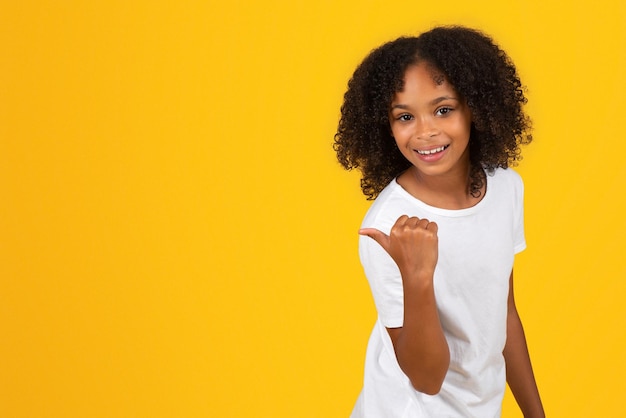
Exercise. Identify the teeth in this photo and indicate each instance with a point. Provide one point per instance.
(432, 151)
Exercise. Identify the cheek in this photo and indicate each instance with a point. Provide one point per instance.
(400, 131)
(462, 128)
(398, 141)
(401, 138)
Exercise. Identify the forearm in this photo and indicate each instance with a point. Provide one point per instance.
(420, 345)
(519, 372)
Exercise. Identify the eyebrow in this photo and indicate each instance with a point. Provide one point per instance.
(432, 102)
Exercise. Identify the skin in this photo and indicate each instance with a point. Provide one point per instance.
(519, 372)
(431, 125)
(426, 115)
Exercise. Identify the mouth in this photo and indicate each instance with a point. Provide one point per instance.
(432, 151)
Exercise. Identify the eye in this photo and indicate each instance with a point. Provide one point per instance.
(443, 111)
(405, 117)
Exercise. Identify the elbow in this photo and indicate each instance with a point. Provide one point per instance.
(434, 390)
(431, 387)
(426, 367)
(429, 380)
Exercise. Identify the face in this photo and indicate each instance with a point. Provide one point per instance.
(431, 123)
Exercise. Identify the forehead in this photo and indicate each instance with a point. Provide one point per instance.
(423, 70)
(424, 79)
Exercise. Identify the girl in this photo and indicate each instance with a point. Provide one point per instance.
(433, 123)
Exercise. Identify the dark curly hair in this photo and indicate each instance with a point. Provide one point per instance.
(479, 71)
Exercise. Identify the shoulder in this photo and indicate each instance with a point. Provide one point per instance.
(507, 188)
(506, 178)
(391, 203)
(507, 174)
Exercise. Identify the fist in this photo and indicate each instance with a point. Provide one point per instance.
(412, 243)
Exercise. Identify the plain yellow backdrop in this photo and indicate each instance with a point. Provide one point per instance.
(178, 240)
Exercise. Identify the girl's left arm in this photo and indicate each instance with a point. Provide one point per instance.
(519, 372)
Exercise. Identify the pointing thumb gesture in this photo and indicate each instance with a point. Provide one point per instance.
(378, 236)
(412, 243)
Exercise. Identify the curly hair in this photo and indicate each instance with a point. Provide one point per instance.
(480, 72)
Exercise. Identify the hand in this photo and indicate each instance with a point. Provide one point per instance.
(412, 243)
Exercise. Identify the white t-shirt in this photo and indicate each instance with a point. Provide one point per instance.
(476, 250)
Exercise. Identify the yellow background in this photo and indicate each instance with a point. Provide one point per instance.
(177, 239)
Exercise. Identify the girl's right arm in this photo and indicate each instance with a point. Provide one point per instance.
(420, 345)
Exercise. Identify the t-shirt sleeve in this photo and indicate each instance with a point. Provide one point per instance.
(385, 282)
(519, 239)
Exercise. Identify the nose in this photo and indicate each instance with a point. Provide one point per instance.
(426, 129)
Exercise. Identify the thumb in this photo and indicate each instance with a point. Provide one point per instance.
(378, 236)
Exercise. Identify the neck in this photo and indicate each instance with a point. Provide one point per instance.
(450, 191)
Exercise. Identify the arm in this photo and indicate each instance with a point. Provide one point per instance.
(519, 372)
(420, 345)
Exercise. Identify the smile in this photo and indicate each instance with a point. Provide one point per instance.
(432, 151)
